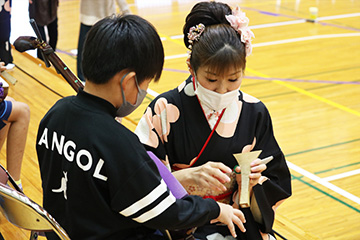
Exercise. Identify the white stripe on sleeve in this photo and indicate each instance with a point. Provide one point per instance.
(161, 207)
(145, 201)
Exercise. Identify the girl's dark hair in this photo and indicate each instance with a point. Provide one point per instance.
(219, 46)
(122, 42)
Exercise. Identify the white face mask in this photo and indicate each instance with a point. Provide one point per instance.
(213, 100)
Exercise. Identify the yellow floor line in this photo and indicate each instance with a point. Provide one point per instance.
(309, 94)
(171, 39)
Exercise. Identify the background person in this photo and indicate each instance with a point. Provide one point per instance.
(92, 11)
(44, 12)
(5, 26)
(14, 124)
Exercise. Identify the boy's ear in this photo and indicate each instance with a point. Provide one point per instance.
(128, 80)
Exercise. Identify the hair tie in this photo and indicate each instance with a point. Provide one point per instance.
(240, 22)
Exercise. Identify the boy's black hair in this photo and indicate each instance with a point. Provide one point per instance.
(122, 42)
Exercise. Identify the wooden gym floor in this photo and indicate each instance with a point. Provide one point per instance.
(306, 73)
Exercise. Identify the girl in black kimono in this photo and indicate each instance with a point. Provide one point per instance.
(196, 128)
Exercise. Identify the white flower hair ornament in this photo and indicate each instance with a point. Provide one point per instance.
(195, 33)
(240, 22)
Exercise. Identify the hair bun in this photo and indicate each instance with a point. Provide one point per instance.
(207, 13)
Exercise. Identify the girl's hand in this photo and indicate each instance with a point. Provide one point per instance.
(257, 167)
(211, 175)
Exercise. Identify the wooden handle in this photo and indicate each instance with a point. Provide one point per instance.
(61, 67)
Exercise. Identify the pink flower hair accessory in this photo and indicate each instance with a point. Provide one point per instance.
(195, 33)
(240, 23)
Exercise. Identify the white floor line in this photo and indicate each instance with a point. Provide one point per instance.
(152, 93)
(342, 175)
(324, 183)
(184, 55)
(177, 36)
(267, 25)
(306, 39)
(284, 41)
(338, 16)
(277, 24)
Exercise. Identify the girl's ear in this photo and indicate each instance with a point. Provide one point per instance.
(190, 69)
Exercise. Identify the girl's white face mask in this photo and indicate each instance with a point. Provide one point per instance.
(213, 100)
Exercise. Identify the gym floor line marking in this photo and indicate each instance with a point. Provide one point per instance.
(318, 20)
(323, 147)
(326, 147)
(300, 39)
(284, 41)
(342, 175)
(163, 36)
(309, 94)
(324, 192)
(281, 79)
(297, 21)
(324, 183)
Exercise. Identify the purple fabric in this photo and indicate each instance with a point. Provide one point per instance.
(1, 91)
(173, 184)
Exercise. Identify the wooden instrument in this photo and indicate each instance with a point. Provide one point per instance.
(244, 160)
(25, 43)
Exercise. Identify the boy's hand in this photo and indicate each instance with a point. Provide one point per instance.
(228, 216)
(2, 66)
